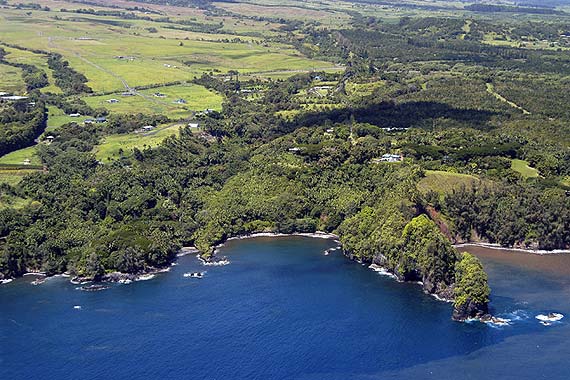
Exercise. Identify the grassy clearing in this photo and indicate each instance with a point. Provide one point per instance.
(38, 60)
(11, 80)
(524, 169)
(109, 149)
(92, 46)
(445, 182)
(197, 98)
(13, 177)
(19, 156)
(57, 118)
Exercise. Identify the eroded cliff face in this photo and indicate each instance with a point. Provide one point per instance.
(470, 310)
(469, 291)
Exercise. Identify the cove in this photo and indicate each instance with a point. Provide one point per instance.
(280, 310)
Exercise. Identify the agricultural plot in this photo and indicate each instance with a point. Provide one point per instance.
(19, 157)
(12, 177)
(172, 101)
(524, 169)
(96, 47)
(38, 60)
(115, 146)
(11, 80)
(445, 182)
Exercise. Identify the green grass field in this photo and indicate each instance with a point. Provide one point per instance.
(17, 157)
(57, 118)
(11, 80)
(38, 60)
(197, 98)
(524, 169)
(445, 182)
(13, 177)
(92, 47)
(109, 149)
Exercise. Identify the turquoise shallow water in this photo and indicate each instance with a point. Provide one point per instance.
(280, 310)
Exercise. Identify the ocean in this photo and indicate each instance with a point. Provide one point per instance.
(282, 309)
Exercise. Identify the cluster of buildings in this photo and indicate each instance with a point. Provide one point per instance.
(388, 157)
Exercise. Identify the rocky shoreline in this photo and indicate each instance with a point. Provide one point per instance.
(499, 247)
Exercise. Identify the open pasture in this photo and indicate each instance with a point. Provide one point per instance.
(38, 60)
(113, 145)
(114, 53)
(445, 182)
(11, 80)
(19, 156)
(197, 98)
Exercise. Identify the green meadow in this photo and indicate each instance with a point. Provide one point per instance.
(524, 169)
(38, 60)
(197, 98)
(57, 118)
(19, 156)
(92, 46)
(113, 145)
(445, 182)
(11, 80)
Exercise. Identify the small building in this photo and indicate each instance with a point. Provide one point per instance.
(74, 114)
(113, 101)
(294, 150)
(88, 121)
(392, 157)
(27, 162)
(49, 139)
(14, 97)
(147, 128)
(101, 120)
(193, 125)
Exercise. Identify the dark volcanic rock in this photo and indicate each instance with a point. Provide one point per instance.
(470, 310)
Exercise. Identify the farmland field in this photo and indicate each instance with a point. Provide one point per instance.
(115, 146)
(197, 98)
(11, 79)
(524, 169)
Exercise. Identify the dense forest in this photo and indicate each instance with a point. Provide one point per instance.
(292, 159)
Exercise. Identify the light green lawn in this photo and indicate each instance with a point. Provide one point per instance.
(109, 149)
(13, 177)
(57, 118)
(524, 169)
(197, 98)
(11, 80)
(17, 157)
(38, 60)
(445, 182)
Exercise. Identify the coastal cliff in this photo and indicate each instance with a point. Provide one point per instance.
(422, 254)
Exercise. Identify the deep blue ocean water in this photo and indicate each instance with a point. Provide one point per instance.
(280, 310)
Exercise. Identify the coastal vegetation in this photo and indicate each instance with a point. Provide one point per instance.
(403, 135)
